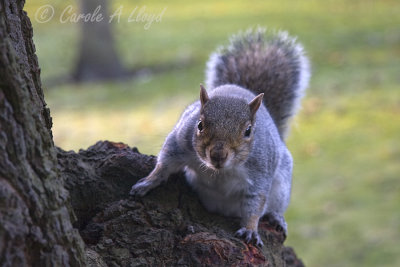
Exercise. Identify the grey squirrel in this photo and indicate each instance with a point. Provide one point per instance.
(231, 143)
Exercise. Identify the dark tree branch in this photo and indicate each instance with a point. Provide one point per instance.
(166, 228)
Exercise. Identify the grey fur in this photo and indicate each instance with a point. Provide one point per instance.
(234, 170)
(272, 63)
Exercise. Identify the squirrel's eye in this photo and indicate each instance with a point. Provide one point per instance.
(200, 126)
(248, 131)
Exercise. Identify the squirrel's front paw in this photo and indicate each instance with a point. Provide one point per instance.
(141, 188)
(250, 236)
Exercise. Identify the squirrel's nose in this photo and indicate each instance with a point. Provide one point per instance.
(218, 156)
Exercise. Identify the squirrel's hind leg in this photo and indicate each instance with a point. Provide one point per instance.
(276, 221)
(279, 196)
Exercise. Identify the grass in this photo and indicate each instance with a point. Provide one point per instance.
(345, 196)
(345, 141)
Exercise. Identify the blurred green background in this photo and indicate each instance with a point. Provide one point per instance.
(345, 208)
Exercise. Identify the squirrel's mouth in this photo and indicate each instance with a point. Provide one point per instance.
(218, 161)
(217, 165)
(218, 157)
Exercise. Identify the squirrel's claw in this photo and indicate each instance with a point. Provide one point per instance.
(250, 236)
(141, 188)
(277, 222)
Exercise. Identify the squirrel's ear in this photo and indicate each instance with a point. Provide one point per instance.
(203, 95)
(255, 104)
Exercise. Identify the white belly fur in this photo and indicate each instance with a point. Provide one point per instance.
(220, 192)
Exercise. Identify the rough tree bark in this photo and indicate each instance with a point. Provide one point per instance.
(168, 227)
(42, 188)
(35, 225)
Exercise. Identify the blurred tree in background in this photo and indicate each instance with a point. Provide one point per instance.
(98, 58)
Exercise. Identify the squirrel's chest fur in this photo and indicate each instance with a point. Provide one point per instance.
(222, 191)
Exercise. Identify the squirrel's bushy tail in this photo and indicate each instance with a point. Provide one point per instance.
(272, 63)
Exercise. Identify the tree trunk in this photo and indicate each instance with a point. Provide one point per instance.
(40, 185)
(98, 58)
(35, 225)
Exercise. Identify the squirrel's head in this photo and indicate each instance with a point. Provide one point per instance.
(225, 130)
